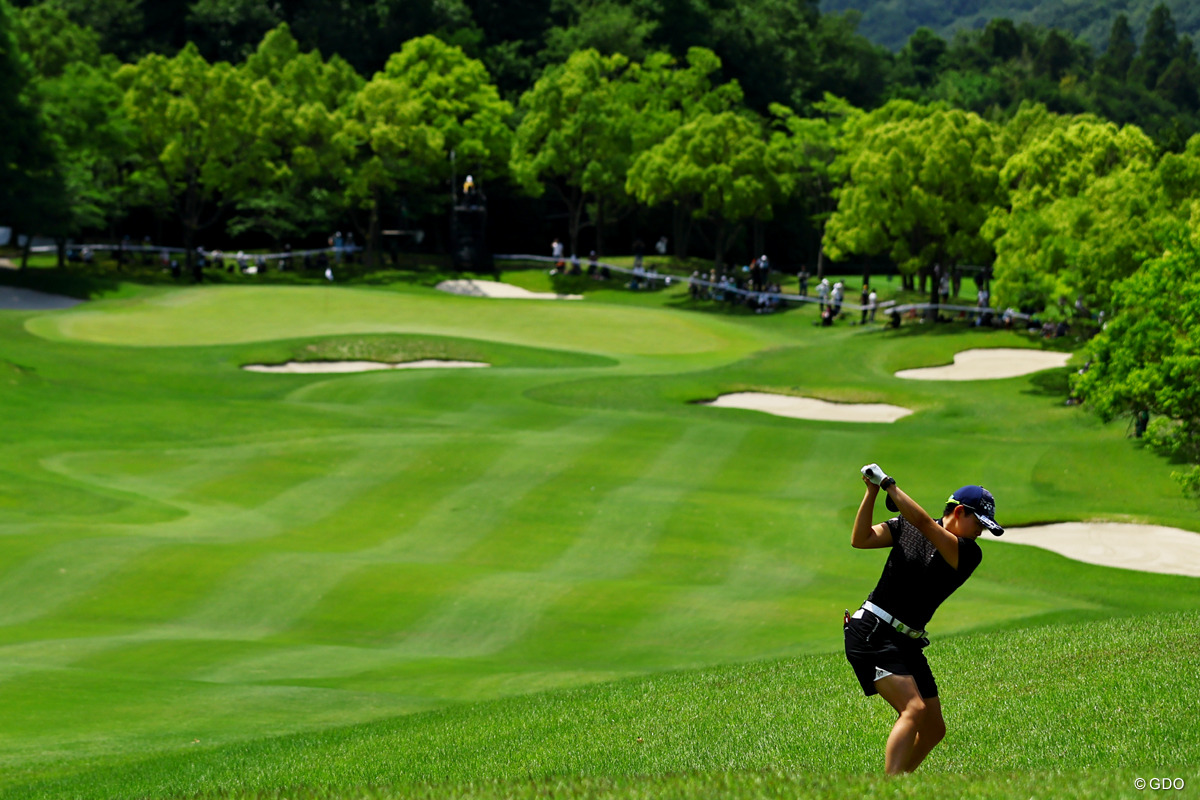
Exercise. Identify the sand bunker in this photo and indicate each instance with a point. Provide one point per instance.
(810, 408)
(1149, 548)
(321, 367)
(14, 299)
(989, 364)
(474, 288)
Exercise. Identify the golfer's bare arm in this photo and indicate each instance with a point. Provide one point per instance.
(945, 541)
(864, 535)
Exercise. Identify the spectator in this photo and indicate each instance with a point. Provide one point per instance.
(639, 250)
(804, 282)
(872, 303)
(837, 295)
(823, 293)
(865, 301)
(556, 252)
(661, 246)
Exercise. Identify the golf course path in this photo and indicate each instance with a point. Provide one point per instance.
(323, 367)
(14, 299)
(496, 289)
(810, 408)
(989, 364)
(1149, 548)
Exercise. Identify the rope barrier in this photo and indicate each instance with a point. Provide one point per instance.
(887, 306)
(651, 275)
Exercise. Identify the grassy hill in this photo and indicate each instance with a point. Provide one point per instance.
(891, 22)
(1072, 710)
(200, 562)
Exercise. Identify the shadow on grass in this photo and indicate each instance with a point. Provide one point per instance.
(80, 284)
(1050, 383)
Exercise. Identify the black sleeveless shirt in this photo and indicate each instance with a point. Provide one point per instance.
(916, 579)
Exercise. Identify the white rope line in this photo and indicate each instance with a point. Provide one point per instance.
(149, 248)
(888, 306)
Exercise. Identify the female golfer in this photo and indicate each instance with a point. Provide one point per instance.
(929, 560)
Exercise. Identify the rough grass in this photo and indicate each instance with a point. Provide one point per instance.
(1066, 710)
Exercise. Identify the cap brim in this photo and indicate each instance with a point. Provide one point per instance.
(990, 524)
(891, 504)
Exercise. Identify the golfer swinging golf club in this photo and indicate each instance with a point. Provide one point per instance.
(884, 639)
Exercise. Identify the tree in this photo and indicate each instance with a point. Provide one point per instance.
(568, 130)
(1147, 358)
(921, 181)
(401, 127)
(606, 26)
(303, 118)
(654, 99)
(1121, 50)
(1054, 57)
(810, 148)
(81, 111)
(1160, 44)
(1075, 187)
(197, 134)
(723, 164)
(1001, 41)
(31, 186)
(921, 59)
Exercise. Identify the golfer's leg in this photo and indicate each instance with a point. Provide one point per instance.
(901, 691)
(932, 731)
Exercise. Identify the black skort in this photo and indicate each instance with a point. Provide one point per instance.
(872, 645)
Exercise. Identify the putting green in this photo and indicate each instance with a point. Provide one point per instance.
(226, 315)
(192, 551)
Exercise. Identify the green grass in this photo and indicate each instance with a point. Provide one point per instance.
(1065, 710)
(318, 576)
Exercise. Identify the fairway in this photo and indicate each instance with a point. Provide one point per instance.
(197, 556)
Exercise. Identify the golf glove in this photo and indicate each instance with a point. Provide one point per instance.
(874, 474)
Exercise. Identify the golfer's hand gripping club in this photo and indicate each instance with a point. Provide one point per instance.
(874, 474)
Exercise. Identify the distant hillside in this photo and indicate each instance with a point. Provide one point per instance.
(891, 22)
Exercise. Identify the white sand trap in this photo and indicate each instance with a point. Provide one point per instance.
(321, 367)
(474, 288)
(989, 364)
(14, 299)
(810, 408)
(1150, 548)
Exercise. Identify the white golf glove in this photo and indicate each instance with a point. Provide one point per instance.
(874, 474)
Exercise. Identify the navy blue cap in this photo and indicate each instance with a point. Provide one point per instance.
(979, 501)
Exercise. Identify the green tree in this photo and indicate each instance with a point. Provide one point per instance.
(197, 135)
(1055, 56)
(810, 147)
(303, 119)
(1160, 44)
(1146, 359)
(571, 125)
(1076, 186)
(31, 185)
(400, 128)
(81, 110)
(1118, 56)
(726, 168)
(606, 26)
(922, 58)
(921, 181)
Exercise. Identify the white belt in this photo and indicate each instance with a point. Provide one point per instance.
(895, 623)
